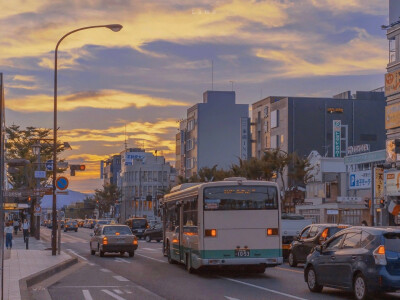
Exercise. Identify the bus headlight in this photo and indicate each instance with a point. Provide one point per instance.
(211, 232)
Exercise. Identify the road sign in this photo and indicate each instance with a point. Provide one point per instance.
(49, 165)
(40, 174)
(38, 210)
(62, 183)
(62, 164)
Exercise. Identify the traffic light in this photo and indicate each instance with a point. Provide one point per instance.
(74, 168)
(397, 146)
(367, 203)
(29, 198)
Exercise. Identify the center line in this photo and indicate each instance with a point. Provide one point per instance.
(263, 288)
(151, 258)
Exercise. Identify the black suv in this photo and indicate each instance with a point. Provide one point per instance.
(311, 236)
(154, 233)
(137, 225)
(365, 260)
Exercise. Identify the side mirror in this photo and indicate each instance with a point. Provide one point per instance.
(318, 249)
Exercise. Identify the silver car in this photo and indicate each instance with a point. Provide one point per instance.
(113, 238)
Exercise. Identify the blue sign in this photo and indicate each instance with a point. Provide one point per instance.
(49, 165)
(62, 183)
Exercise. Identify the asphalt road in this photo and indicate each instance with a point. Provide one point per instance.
(149, 276)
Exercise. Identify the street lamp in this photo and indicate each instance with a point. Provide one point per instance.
(115, 28)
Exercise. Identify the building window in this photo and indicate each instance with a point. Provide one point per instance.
(258, 137)
(368, 137)
(189, 163)
(259, 117)
(392, 50)
(275, 141)
(266, 142)
(266, 125)
(282, 140)
(274, 119)
(189, 145)
(190, 125)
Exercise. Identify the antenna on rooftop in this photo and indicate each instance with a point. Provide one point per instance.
(212, 74)
(126, 143)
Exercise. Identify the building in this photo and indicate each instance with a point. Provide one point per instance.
(111, 169)
(144, 177)
(215, 132)
(304, 124)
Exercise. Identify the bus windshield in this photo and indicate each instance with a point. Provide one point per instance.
(240, 198)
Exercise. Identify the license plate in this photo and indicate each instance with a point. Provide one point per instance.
(119, 241)
(242, 252)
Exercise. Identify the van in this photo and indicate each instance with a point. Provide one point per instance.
(138, 226)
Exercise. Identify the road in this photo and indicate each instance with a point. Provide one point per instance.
(149, 276)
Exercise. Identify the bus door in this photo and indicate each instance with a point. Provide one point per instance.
(180, 237)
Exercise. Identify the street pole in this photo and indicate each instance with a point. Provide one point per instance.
(37, 218)
(59, 232)
(115, 28)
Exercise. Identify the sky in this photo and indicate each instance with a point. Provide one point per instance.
(144, 77)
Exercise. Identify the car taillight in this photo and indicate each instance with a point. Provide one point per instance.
(272, 231)
(379, 256)
(105, 241)
(211, 232)
(135, 242)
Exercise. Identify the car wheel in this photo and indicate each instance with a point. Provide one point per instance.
(158, 241)
(92, 252)
(101, 253)
(132, 254)
(122, 253)
(292, 260)
(76, 230)
(170, 260)
(312, 281)
(189, 264)
(360, 287)
(148, 238)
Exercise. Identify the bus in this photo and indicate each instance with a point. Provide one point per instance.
(233, 223)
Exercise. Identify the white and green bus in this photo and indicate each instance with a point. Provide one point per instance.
(225, 224)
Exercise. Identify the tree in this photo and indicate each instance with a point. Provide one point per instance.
(301, 170)
(253, 168)
(19, 145)
(277, 161)
(206, 174)
(107, 197)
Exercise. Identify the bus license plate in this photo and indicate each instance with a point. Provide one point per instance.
(242, 252)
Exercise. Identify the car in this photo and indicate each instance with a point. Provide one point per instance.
(365, 260)
(62, 223)
(99, 223)
(80, 222)
(89, 223)
(71, 225)
(155, 232)
(311, 236)
(137, 225)
(113, 238)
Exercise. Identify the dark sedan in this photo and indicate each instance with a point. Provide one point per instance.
(71, 226)
(311, 236)
(365, 260)
(154, 233)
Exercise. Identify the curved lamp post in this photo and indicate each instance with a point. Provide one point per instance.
(115, 28)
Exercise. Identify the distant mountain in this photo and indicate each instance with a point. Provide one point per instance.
(72, 197)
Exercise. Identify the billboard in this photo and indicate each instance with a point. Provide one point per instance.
(129, 157)
(244, 138)
(360, 180)
(392, 116)
(392, 180)
(392, 83)
(379, 185)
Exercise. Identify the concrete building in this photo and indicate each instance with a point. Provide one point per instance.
(303, 124)
(215, 132)
(143, 179)
(111, 169)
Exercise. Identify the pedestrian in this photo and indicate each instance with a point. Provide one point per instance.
(16, 226)
(8, 230)
(25, 229)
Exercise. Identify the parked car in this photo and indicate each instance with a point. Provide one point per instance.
(137, 225)
(311, 236)
(80, 222)
(89, 223)
(113, 238)
(365, 260)
(71, 225)
(155, 232)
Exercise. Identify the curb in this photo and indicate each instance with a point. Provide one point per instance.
(33, 279)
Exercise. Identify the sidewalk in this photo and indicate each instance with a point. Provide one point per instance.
(20, 263)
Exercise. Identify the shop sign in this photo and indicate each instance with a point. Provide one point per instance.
(392, 116)
(392, 83)
(392, 181)
(337, 138)
(391, 156)
(360, 180)
(351, 150)
(379, 185)
(348, 199)
(332, 212)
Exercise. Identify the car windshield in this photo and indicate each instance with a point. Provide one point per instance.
(139, 223)
(392, 241)
(122, 230)
(240, 198)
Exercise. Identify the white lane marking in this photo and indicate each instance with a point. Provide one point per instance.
(289, 270)
(122, 260)
(115, 296)
(76, 254)
(230, 298)
(120, 278)
(91, 264)
(159, 260)
(86, 295)
(151, 249)
(86, 286)
(118, 291)
(264, 289)
(128, 292)
(105, 270)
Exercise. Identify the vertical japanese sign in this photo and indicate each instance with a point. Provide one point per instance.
(244, 138)
(337, 136)
(379, 184)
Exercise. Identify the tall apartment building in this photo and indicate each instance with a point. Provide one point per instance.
(111, 168)
(215, 132)
(143, 178)
(303, 124)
